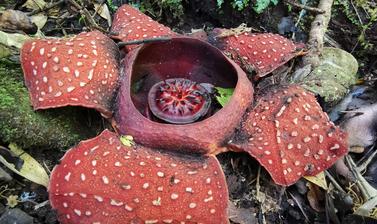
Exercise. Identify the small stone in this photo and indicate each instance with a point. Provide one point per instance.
(4, 176)
(16, 215)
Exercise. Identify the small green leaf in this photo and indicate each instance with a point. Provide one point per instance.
(220, 3)
(261, 5)
(223, 95)
(127, 140)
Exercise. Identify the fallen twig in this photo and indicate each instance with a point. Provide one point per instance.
(299, 205)
(144, 41)
(305, 7)
(334, 182)
(89, 19)
(366, 189)
(363, 166)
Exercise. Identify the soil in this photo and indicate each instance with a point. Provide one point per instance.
(252, 192)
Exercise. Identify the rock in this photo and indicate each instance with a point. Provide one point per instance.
(333, 77)
(16, 215)
(4, 176)
(2, 209)
(20, 124)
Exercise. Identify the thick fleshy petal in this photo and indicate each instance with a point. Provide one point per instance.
(103, 181)
(187, 58)
(262, 53)
(290, 135)
(130, 25)
(80, 71)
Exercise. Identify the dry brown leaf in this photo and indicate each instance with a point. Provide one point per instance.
(15, 21)
(104, 12)
(34, 4)
(241, 215)
(316, 197)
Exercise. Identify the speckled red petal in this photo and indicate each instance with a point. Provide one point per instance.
(80, 71)
(130, 24)
(290, 135)
(102, 181)
(261, 52)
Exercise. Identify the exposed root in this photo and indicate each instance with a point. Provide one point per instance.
(317, 33)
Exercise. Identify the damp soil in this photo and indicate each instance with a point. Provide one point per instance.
(253, 195)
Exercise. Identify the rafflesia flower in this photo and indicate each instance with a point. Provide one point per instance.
(161, 93)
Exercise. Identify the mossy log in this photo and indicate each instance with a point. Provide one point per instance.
(44, 129)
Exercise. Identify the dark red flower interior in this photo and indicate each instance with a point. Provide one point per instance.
(178, 101)
(183, 58)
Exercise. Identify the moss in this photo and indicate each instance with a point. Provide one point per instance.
(333, 77)
(19, 123)
(170, 10)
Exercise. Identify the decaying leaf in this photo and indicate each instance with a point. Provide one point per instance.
(39, 19)
(369, 193)
(333, 77)
(13, 39)
(30, 168)
(4, 51)
(318, 180)
(360, 125)
(16, 21)
(241, 215)
(368, 209)
(316, 197)
(34, 4)
(103, 11)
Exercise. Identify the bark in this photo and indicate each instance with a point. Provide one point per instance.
(317, 33)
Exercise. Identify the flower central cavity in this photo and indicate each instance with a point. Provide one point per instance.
(179, 101)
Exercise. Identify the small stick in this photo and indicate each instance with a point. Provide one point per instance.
(334, 182)
(144, 41)
(88, 17)
(299, 204)
(305, 7)
(46, 8)
(362, 167)
(113, 33)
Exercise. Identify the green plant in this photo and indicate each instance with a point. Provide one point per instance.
(362, 14)
(258, 7)
(223, 95)
(157, 7)
(261, 5)
(111, 5)
(240, 4)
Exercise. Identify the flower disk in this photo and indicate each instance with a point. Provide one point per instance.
(178, 101)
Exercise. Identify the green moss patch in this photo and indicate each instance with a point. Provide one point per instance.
(20, 124)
